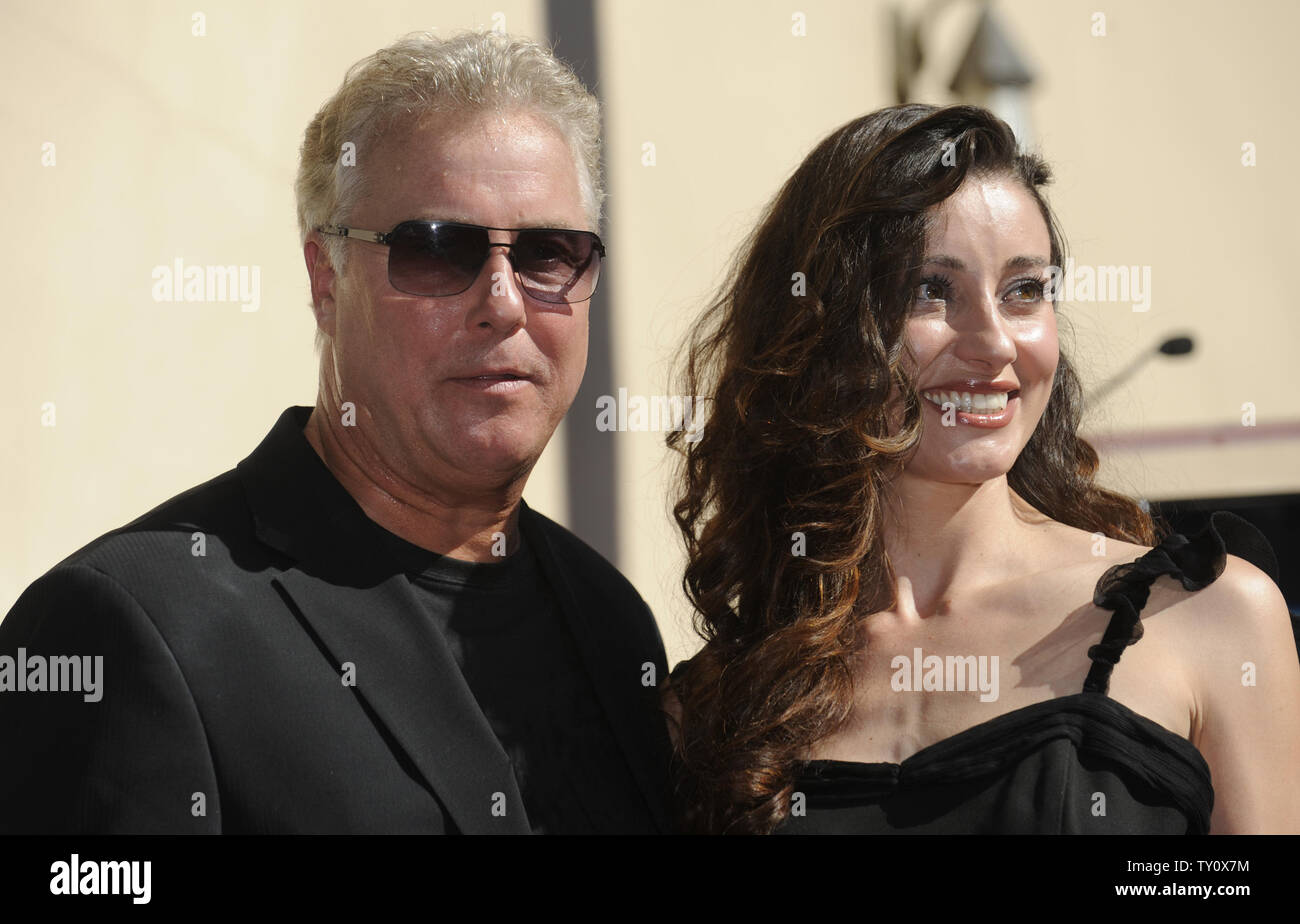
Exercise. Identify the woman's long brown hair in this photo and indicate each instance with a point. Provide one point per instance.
(799, 354)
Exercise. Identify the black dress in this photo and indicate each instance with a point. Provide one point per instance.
(1077, 764)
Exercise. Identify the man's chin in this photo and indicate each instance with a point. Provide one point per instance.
(494, 460)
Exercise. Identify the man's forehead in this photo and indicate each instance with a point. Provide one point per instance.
(543, 198)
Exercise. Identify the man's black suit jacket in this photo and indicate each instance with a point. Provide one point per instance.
(223, 675)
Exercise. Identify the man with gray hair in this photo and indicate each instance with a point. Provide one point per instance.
(363, 627)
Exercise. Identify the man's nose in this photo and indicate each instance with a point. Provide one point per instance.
(501, 304)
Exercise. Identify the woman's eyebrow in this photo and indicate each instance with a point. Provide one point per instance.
(1015, 263)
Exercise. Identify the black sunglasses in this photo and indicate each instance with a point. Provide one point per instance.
(440, 258)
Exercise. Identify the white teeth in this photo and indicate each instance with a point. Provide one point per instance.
(965, 401)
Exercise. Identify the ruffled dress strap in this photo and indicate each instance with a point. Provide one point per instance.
(1196, 562)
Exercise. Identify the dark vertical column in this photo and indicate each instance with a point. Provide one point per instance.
(592, 470)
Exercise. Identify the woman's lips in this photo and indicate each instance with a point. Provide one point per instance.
(983, 420)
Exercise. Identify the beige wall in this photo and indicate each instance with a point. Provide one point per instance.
(169, 146)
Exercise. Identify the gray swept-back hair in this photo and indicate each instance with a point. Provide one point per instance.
(469, 73)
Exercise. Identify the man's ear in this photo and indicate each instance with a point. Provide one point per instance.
(320, 271)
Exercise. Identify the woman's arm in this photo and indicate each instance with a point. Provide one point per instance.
(1248, 681)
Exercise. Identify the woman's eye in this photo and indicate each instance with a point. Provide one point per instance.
(931, 292)
(1029, 290)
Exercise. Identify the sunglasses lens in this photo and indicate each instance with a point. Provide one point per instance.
(557, 266)
(445, 259)
(435, 260)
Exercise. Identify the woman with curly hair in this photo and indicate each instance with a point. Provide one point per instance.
(913, 595)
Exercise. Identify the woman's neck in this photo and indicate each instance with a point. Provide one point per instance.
(956, 538)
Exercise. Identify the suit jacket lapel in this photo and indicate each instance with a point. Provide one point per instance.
(408, 676)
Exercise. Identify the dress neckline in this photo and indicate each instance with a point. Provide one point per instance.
(1095, 705)
(1057, 736)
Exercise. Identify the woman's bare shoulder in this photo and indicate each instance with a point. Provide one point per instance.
(1242, 602)
(1242, 606)
(1247, 680)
